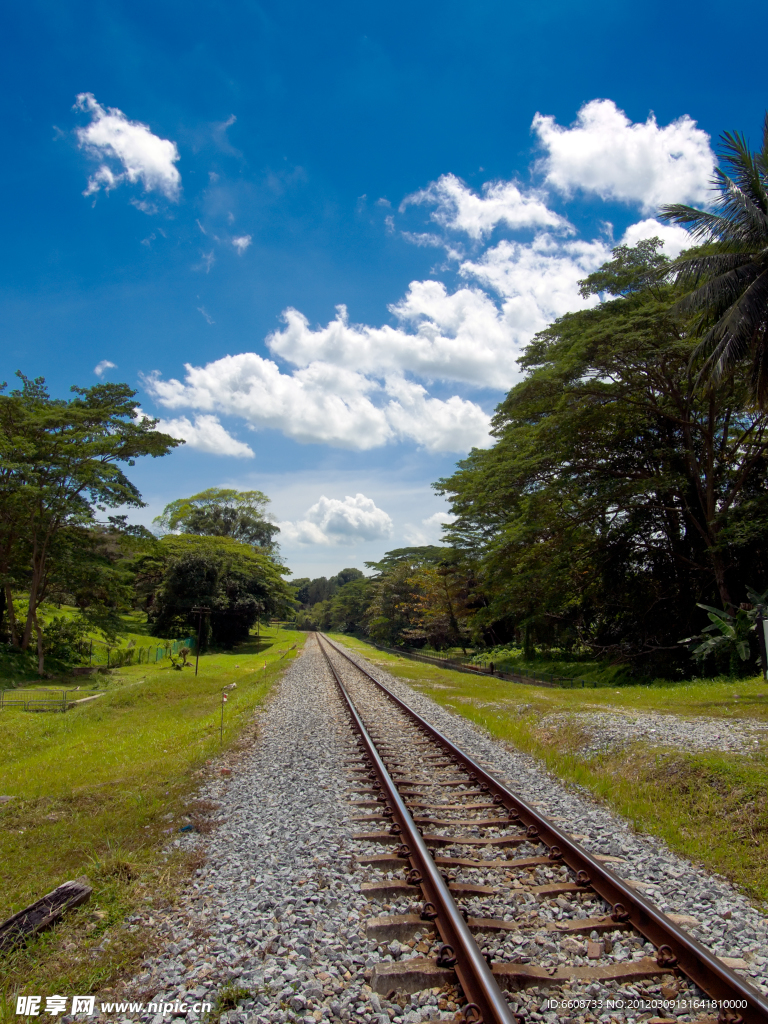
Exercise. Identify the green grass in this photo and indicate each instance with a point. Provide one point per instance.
(19, 669)
(99, 790)
(710, 807)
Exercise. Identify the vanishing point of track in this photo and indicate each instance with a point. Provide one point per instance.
(407, 766)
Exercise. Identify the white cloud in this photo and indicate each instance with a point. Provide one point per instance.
(332, 521)
(359, 386)
(449, 336)
(430, 531)
(453, 425)
(465, 335)
(675, 238)
(324, 404)
(605, 153)
(143, 156)
(242, 243)
(101, 368)
(207, 261)
(461, 209)
(423, 238)
(206, 434)
(205, 314)
(538, 282)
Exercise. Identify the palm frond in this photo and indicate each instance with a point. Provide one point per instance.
(707, 262)
(745, 217)
(700, 223)
(717, 293)
(744, 168)
(738, 332)
(728, 274)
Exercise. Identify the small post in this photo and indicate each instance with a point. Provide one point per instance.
(762, 638)
(265, 673)
(221, 728)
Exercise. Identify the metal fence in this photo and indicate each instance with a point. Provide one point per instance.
(118, 657)
(464, 663)
(48, 700)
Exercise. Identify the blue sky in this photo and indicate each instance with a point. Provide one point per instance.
(316, 237)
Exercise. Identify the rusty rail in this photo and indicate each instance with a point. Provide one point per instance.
(676, 948)
(487, 1004)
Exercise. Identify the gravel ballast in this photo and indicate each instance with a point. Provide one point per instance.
(612, 730)
(277, 913)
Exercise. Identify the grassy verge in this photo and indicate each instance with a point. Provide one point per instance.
(101, 789)
(710, 807)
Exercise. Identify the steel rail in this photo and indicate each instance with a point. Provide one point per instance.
(676, 948)
(460, 950)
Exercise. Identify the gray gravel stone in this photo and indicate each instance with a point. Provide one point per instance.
(615, 729)
(277, 909)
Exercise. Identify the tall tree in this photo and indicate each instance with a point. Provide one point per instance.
(235, 583)
(618, 493)
(59, 459)
(728, 271)
(223, 512)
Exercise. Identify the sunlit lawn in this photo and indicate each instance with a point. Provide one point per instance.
(106, 782)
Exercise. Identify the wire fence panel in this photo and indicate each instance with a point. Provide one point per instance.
(100, 654)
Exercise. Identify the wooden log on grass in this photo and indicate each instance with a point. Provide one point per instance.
(44, 912)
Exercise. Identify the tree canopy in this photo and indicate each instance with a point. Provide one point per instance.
(727, 272)
(234, 582)
(223, 512)
(60, 463)
(618, 492)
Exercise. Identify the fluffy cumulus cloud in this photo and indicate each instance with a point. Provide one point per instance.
(129, 151)
(459, 208)
(537, 282)
(101, 368)
(605, 153)
(206, 434)
(674, 237)
(466, 336)
(333, 521)
(429, 530)
(322, 403)
(361, 386)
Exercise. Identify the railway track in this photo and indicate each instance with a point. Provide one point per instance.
(488, 870)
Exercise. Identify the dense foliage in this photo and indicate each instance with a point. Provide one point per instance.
(233, 582)
(619, 492)
(60, 466)
(223, 512)
(415, 596)
(60, 462)
(728, 271)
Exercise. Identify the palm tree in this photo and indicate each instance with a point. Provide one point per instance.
(728, 269)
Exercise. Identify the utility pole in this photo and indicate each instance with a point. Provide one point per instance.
(200, 612)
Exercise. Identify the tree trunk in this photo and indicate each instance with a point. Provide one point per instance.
(40, 655)
(720, 569)
(11, 615)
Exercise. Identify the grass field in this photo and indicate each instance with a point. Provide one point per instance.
(710, 807)
(18, 669)
(101, 789)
